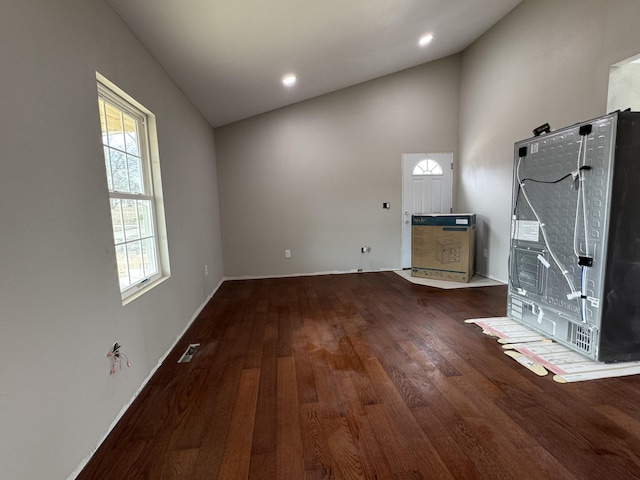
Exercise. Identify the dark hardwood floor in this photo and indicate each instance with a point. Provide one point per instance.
(364, 376)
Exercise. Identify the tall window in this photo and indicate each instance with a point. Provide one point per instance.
(134, 207)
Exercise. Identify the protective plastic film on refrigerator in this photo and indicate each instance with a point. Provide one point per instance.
(574, 263)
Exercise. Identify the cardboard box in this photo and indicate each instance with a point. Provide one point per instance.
(443, 246)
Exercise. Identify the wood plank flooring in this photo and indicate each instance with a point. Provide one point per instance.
(364, 376)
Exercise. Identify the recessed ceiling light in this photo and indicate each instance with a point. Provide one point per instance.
(289, 80)
(425, 40)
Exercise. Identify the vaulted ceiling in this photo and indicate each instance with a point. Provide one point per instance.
(229, 56)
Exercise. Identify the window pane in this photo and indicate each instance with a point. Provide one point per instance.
(119, 171)
(114, 127)
(434, 167)
(107, 163)
(145, 218)
(149, 257)
(123, 275)
(116, 220)
(134, 255)
(135, 174)
(131, 135)
(130, 220)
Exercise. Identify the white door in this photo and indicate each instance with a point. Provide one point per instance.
(426, 188)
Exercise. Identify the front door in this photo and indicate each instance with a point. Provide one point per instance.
(426, 188)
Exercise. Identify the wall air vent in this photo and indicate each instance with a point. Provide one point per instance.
(580, 336)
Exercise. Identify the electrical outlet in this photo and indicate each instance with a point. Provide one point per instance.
(287, 254)
(206, 271)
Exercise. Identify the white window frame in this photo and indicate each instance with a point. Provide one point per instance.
(152, 188)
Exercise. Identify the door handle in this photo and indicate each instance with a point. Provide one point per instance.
(406, 213)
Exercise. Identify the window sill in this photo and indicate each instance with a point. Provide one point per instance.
(142, 290)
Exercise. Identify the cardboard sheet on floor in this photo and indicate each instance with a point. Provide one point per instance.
(541, 355)
(476, 281)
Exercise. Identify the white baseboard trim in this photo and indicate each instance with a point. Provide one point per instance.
(84, 463)
(293, 275)
(492, 277)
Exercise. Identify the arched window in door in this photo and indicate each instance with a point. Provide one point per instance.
(428, 167)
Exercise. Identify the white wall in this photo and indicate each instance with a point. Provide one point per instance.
(60, 308)
(547, 61)
(312, 177)
(624, 87)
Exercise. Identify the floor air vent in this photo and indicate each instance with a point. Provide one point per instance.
(189, 353)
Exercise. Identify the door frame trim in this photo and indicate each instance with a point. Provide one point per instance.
(402, 172)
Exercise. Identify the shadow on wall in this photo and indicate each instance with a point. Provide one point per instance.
(482, 244)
